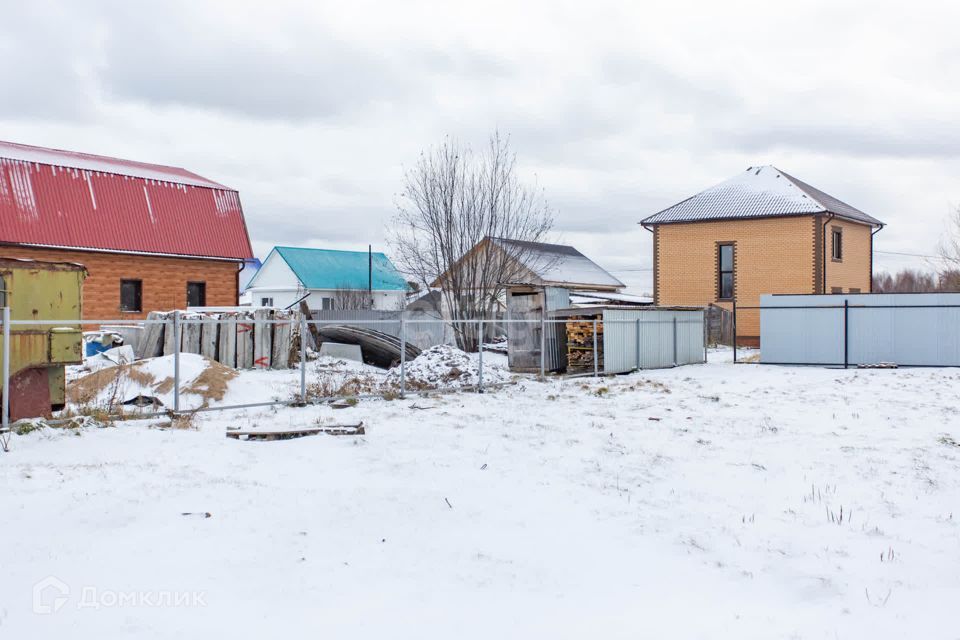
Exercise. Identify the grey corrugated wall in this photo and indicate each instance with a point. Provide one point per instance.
(919, 329)
(654, 330)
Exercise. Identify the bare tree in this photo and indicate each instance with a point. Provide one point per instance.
(906, 281)
(464, 223)
(347, 298)
(950, 250)
(950, 280)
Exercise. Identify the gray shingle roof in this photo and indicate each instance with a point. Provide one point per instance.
(758, 192)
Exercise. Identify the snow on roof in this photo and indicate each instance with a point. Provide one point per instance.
(66, 199)
(758, 192)
(592, 297)
(332, 269)
(104, 164)
(562, 264)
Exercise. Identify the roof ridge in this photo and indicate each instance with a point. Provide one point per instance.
(85, 154)
(111, 165)
(793, 182)
(758, 192)
(279, 246)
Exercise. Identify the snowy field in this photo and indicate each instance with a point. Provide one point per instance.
(707, 501)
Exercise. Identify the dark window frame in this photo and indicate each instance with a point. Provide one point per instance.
(138, 295)
(263, 301)
(203, 292)
(721, 271)
(836, 244)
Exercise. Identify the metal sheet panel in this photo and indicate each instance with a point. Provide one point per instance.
(658, 338)
(351, 270)
(109, 210)
(921, 329)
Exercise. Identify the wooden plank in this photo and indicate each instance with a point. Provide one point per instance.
(151, 343)
(287, 434)
(168, 332)
(312, 328)
(227, 349)
(282, 335)
(190, 332)
(209, 335)
(245, 340)
(262, 334)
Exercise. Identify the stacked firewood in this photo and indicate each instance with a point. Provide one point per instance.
(580, 344)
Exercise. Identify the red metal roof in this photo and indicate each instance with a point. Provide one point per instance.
(67, 199)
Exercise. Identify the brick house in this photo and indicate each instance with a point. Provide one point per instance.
(762, 231)
(152, 237)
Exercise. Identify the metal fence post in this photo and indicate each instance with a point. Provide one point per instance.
(705, 335)
(596, 355)
(846, 325)
(639, 362)
(6, 368)
(403, 355)
(674, 340)
(480, 378)
(176, 361)
(543, 342)
(303, 358)
(734, 331)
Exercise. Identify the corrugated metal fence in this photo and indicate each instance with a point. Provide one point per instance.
(652, 338)
(907, 329)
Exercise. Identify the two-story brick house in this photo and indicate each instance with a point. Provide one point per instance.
(762, 231)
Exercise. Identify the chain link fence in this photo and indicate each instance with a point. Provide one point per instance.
(670, 342)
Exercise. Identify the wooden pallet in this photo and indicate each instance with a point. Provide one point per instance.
(289, 434)
(878, 365)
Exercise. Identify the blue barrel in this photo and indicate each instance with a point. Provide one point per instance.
(93, 347)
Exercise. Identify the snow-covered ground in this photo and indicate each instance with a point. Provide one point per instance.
(703, 501)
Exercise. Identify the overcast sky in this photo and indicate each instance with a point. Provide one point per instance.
(617, 109)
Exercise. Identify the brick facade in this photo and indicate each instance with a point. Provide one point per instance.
(771, 255)
(164, 279)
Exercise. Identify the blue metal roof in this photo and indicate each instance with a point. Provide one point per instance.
(331, 269)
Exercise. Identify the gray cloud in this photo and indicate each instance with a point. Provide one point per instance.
(921, 139)
(312, 110)
(44, 76)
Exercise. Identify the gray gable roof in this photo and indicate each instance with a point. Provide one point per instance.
(758, 192)
(562, 264)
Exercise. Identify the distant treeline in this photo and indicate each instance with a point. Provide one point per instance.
(917, 281)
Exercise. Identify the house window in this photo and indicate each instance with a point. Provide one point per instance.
(837, 247)
(326, 304)
(725, 272)
(196, 294)
(266, 302)
(131, 295)
(836, 289)
(3, 292)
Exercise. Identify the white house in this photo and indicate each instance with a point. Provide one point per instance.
(332, 280)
